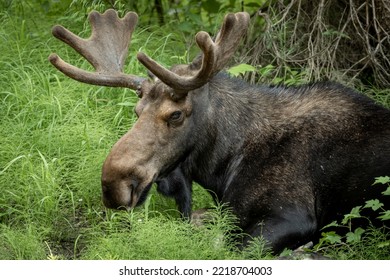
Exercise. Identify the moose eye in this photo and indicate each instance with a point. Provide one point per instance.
(176, 116)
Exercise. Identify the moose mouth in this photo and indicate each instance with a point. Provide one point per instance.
(137, 200)
(126, 197)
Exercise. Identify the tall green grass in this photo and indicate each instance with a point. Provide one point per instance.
(55, 134)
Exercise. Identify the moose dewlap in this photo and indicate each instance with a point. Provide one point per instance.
(288, 161)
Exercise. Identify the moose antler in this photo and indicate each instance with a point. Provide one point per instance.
(215, 54)
(106, 50)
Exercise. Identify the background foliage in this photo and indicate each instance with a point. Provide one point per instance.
(55, 132)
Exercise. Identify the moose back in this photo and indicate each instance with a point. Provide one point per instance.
(287, 161)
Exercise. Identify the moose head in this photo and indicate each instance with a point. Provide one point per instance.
(170, 109)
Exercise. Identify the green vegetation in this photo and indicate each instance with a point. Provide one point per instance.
(55, 134)
(359, 243)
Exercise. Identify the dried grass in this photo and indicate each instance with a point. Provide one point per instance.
(344, 40)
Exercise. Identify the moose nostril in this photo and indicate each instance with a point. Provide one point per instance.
(133, 183)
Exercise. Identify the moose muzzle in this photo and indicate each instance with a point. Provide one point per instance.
(128, 171)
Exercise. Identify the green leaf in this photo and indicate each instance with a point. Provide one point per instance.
(331, 237)
(374, 204)
(332, 224)
(249, 3)
(385, 215)
(264, 71)
(387, 191)
(195, 18)
(286, 253)
(252, 5)
(126, 104)
(382, 180)
(355, 213)
(241, 69)
(211, 6)
(383, 244)
(186, 26)
(355, 236)
(277, 80)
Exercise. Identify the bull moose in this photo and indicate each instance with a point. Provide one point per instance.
(286, 160)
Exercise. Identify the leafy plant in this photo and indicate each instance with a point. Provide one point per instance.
(332, 242)
(241, 69)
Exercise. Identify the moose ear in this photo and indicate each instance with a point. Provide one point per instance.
(144, 89)
(175, 97)
(196, 64)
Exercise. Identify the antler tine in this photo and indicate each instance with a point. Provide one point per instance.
(215, 54)
(106, 50)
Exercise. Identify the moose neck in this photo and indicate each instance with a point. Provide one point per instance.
(227, 122)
